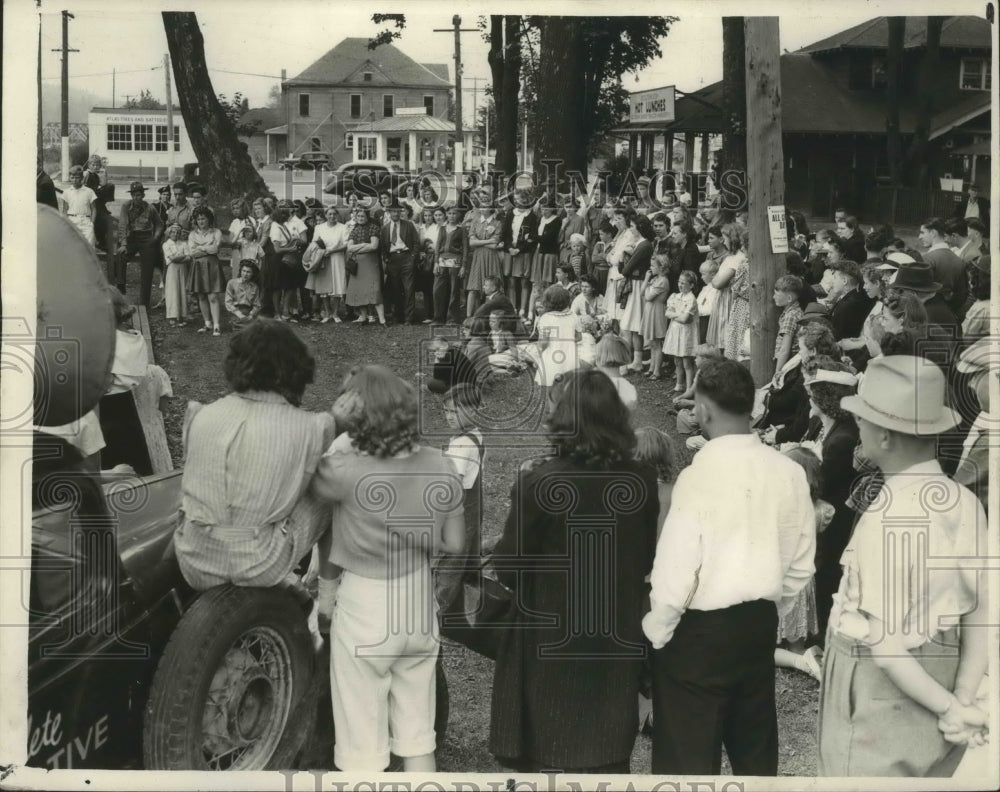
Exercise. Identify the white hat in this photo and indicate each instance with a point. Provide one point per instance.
(905, 394)
(981, 356)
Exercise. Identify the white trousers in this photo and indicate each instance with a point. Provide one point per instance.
(383, 653)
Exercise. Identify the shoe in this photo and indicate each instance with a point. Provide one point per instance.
(428, 321)
(654, 377)
(337, 319)
(293, 319)
(216, 331)
(360, 320)
(371, 320)
(324, 320)
(812, 663)
(204, 329)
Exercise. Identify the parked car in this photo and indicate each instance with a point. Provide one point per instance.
(309, 160)
(366, 177)
(128, 667)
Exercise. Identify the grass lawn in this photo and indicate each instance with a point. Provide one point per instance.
(194, 363)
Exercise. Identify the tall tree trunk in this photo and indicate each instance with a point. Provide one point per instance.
(505, 65)
(225, 166)
(897, 30)
(560, 122)
(734, 98)
(915, 167)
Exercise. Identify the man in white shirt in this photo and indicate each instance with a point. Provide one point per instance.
(736, 547)
(80, 205)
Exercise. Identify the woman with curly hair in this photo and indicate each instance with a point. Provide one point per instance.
(397, 504)
(732, 241)
(579, 539)
(249, 457)
(206, 280)
(364, 286)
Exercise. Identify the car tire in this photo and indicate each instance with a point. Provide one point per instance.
(232, 678)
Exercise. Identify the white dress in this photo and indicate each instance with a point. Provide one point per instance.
(332, 279)
(560, 353)
(78, 203)
(621, 249)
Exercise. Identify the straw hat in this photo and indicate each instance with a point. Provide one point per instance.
(904, 394)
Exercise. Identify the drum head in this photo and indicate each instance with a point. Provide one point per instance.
(75, 332)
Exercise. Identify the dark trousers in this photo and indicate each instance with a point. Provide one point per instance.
(399, 282)
(425, 285)
(713, 685)
(145, 247)
(448, 296)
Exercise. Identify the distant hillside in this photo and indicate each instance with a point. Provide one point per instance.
(80, 102)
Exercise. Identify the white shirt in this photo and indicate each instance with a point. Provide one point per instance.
(972, 209)
(395, 237)
(463, 453)
(706, 299)
(911, 562)
(173, 248)
(296, 225)
(236, 228)
(741, 527)
(78, 200)
(130, 362)
(515, 224)
(334, 236)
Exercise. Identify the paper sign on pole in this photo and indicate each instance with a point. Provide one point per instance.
(779, 232)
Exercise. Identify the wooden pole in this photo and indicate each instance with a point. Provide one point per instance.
(765, 178)
(170, 120)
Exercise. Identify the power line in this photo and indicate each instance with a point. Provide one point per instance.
(106, 74)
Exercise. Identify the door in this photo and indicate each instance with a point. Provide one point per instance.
(365, 147)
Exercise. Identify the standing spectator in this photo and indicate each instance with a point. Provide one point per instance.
(400, 246)
(977, 319)
(180, 212)
(178, 260)
(706, 300)
(850, 306)
(739, 308)
(45, 190)
(80, 205)
(974, 206)
(565, 698)
(786, 296)
(241, 219)
(599, 265)
(545, 257)
(731, 239)
(288, 246)
(261, 211)
(949, 269)
(682, 334)
(722, 565)
(206, 280)
(485, 246)
(451, 254)
(139, 231)
(364, 287)
(854, 239)
(96, 178)
(384, 631)
(655, 290)
(898, 682)
(519, 238)
(634, 269)
(330, 282)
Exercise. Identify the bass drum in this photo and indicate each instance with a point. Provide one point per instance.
(75, 329)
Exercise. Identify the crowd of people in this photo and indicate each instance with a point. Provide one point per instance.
(880, 394)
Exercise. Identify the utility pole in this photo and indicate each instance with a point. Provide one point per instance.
(170, 121)
(66, 17)
(39, 142)
(765, 176)
(475, 92)
(459, 162)
(114, 75)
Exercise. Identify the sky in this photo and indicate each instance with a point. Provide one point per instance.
(259, 38)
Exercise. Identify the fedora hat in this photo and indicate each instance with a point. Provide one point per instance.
(904, 394)
(136, 186)
(916, 277)
(814, 312)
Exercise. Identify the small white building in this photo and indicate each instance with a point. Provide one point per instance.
(134, 143)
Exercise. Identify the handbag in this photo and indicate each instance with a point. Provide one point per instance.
(351, 265)
(314, 258)
(488, 610)
(624, 291)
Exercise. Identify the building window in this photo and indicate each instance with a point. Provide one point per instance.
(349, 140)
(975, 75)
(880, 72)
(365, 148)
(143, 137)
(366, 77)
(119, 137)
(355, 105)
(394, 149)
(315, 144)
(387, 106)
(303, 104)
(429, 105)
(161, 138)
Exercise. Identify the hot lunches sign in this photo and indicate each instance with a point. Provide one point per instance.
(654, 105)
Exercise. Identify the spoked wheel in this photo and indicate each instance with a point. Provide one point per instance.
(228, 688)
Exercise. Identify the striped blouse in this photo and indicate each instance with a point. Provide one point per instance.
(249, 457)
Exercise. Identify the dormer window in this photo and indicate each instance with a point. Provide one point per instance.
(975, 75)
(366, 77)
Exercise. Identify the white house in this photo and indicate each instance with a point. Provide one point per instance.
(135, 142)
